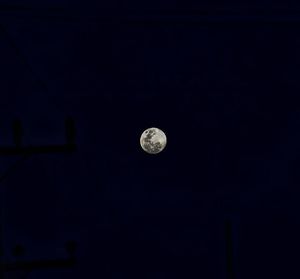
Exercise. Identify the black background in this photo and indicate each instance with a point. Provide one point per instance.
(220, 79)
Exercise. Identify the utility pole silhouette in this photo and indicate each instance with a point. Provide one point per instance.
(26, 151)
(230, 273)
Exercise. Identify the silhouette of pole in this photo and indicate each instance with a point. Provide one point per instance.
(229, 250)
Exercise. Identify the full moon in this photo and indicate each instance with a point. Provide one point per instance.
(153, 140)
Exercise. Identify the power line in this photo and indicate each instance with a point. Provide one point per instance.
(200, 15)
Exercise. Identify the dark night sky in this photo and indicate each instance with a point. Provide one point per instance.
(221, 80)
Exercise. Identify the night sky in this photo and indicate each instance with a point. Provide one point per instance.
(220, 79)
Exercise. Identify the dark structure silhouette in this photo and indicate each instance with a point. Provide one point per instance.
(38, 264)
(19, 149)
(26, 152)
(230, 274)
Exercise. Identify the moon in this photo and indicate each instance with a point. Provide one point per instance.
(153, 140)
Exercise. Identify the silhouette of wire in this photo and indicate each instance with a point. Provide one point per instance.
(161, 15)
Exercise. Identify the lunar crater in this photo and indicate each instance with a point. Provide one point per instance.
(153, 140)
